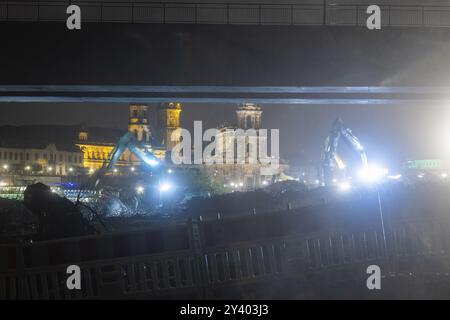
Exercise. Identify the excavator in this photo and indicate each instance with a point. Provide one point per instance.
(330, 160)
(126, 142)
(57, 217)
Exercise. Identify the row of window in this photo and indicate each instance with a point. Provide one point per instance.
(27, 156)
(104, 156)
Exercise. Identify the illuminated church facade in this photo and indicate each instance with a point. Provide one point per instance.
(97, 153)
(162, 140)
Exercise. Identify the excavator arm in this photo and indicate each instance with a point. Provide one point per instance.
(126, 142)
(330, 157)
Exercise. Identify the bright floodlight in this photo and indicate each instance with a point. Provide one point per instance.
(163, 187)
(152, 162)
(372, 174)
(344, 186)
(140, 190)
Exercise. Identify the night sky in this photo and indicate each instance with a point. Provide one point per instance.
(47, 53)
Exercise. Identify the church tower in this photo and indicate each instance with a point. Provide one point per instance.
(249, 116)
(83, 133)
(138, 123)
(168, 122)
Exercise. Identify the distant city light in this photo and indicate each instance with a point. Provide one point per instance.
(444, 175)
(265, 183)
(115, 170)
(395, 177)
(3, 184)
(71, 169)
(91, 170)
(27, 168)
(5, 166)
(420, 175)
(132, 169)
(49, 169)
(169, 171)
(241, 184)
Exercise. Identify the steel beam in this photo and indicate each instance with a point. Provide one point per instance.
(222, 94)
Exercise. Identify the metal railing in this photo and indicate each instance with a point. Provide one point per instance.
(200, 270)
(322, 13)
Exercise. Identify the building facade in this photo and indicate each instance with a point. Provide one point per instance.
(47, 160)
(238, 146)
(168, 123)
(98, 152)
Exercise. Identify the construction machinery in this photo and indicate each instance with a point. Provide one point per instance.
(330, 160)
(126, 142)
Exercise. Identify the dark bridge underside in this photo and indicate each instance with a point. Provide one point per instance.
(220, 94)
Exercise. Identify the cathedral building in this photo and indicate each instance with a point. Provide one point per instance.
(72, 150)
(97, 153)
(168, 123)
(243, 171)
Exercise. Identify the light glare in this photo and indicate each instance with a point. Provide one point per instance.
(372, 174)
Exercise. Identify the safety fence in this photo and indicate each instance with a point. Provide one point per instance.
(182, 261)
